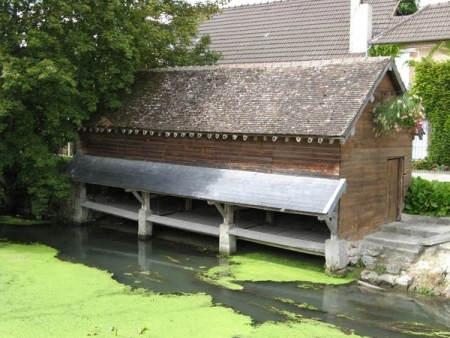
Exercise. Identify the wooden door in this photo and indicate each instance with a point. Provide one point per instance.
(395, 189)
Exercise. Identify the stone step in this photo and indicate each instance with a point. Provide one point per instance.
(399, 242)
(425, 219)
(421, 229)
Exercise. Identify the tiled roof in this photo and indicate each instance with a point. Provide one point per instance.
(431, 23)
(383, 14)
(307, 195)
(292, 30)
(310, 98)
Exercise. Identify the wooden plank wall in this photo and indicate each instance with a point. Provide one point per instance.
(292, 157)
(363, 208)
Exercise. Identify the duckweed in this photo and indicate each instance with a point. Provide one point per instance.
(45, 297)
(257, 267)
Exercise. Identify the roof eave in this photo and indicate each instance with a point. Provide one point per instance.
(406, 41)
(216, 135)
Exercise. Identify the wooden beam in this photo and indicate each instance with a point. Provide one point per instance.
(219, 207)
(184, 225)
(110, 210)
(136, 194)
(279, 241)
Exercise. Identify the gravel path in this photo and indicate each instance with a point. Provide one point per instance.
(430, 176)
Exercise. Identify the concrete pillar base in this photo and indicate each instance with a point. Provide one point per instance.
(227, 243)
(145, 228)
(80, 214)
(335, 254)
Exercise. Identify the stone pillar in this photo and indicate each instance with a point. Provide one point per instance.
(80, 214)
(336, 254)
(227, 242)
(145, 228)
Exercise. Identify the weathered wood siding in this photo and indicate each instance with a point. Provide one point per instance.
(364, 206)
(264, 156)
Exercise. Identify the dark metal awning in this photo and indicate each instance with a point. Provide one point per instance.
(285, 193)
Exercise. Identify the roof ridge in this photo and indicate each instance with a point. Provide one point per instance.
(443, 3)
(268, 65)
(258, 3)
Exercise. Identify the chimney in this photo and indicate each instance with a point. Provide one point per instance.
(360, 26)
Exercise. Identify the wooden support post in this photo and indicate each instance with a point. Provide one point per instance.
(227, 242)
(332, 225)
(188, 204)
(335, 249)
(80, 213)
(145, 228)
(269, 216)
(332, 222)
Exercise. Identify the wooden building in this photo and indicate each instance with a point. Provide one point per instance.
(277, 150)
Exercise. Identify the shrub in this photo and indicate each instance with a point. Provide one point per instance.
(427, 164)
(430, 198)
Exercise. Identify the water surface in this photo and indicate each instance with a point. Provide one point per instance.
(168, 267)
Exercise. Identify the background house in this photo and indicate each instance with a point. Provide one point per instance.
(419, 34)
(288, 31)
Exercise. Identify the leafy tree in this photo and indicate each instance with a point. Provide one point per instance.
(407, 7)
(60, 61)
(385, 50)
(432, 83)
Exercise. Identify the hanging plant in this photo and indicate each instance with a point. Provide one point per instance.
(405, 112)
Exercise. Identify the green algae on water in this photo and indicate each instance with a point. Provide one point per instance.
(45, 297)
(258, 267)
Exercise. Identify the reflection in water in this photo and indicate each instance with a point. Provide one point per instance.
(167, 267)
